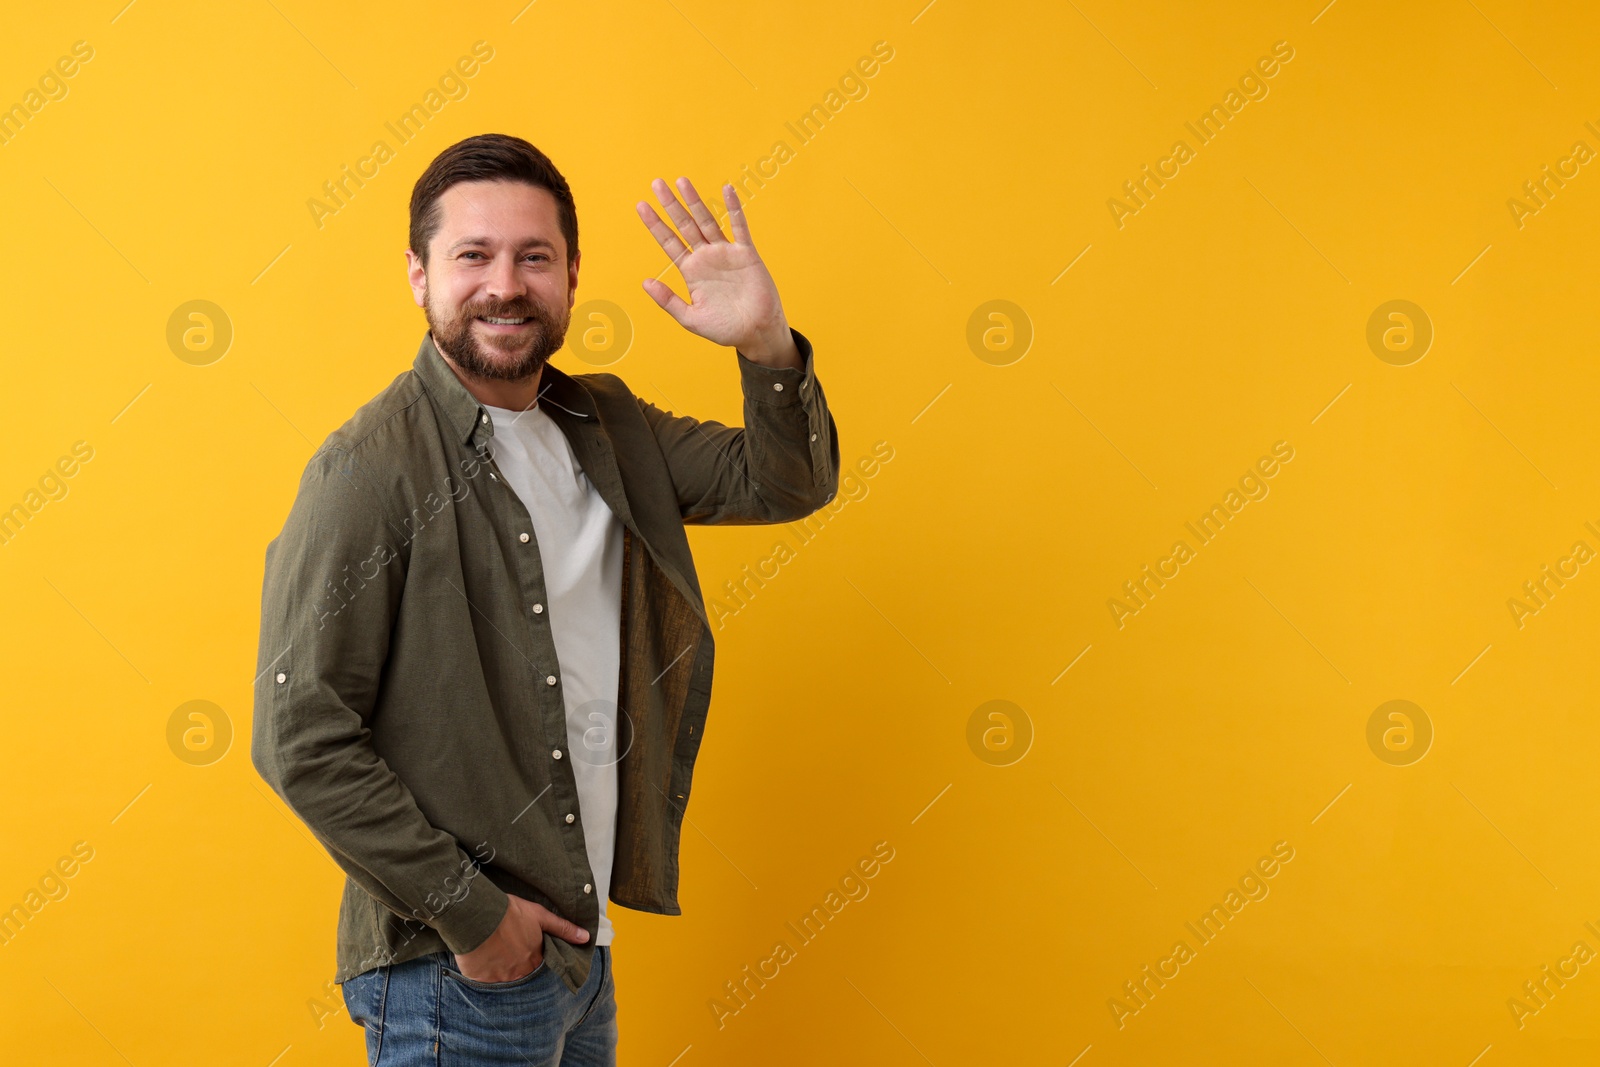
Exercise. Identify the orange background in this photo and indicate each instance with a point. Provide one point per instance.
(1042, 860)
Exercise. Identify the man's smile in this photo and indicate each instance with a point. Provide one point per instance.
(497, 324)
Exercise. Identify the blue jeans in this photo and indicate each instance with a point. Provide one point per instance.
(425, 1011)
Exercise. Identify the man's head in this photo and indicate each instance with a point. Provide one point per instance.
(494, 236)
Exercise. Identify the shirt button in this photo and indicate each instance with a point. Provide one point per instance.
(282, 677)
(492, 478)
(550, 680)
(778, 386)
(483, 418)
(587, 888)
(556, 753)
(538, 609)
(569, 816)
(813, 437)
(524, 537)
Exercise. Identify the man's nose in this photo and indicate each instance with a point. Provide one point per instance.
(505, 282)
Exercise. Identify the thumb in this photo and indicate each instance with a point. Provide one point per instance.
(670, 302)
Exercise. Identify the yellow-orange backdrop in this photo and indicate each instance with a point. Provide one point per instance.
(1158, 340)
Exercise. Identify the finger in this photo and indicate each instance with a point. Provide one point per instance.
(663, 234)
(707, 222)
(736, 220)
(670, 302)
(566, 931)
(687, 227)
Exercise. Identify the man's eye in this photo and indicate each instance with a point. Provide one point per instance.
(464, 255)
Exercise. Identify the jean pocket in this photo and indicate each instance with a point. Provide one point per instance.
(363, 996)
(454, 972)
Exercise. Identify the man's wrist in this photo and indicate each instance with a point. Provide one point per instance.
(775, 349)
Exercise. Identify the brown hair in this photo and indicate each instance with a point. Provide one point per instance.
(488, 157)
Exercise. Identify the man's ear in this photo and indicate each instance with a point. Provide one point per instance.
(417, 278)
(572, 280)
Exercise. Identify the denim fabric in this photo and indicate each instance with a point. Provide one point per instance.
(426, 1012)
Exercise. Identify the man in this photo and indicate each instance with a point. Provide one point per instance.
(485, 662)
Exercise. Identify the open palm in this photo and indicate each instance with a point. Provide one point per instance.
(732, 297)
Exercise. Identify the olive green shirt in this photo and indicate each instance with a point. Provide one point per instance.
(409, 703)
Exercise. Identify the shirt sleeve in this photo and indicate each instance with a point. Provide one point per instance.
(331, 592)
(782, 465)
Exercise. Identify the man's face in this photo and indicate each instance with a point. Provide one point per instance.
(498, 290)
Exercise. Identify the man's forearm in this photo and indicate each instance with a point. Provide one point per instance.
(318, 676)
(307, 744)
(376, 834)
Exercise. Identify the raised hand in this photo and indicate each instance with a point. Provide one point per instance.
(732, 298)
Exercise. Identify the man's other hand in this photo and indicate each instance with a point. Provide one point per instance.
(516, 948)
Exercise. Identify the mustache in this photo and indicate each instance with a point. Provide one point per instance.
(510, 309)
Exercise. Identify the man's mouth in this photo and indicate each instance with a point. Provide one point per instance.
(495, 320)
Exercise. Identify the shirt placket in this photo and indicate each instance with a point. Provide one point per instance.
(514, 527)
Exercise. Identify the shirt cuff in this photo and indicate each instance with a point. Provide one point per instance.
(779, 386)
(467, 923)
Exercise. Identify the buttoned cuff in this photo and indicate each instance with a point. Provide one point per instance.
(779, 386)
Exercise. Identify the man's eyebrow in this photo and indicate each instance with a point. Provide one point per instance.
(532, 242)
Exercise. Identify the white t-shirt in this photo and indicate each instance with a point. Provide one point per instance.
(579, 541)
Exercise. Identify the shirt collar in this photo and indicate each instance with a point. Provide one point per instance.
(467, 417)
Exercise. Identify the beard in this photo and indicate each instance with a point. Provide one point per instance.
(501, 357)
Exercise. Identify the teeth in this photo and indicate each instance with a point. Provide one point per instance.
(505, 322)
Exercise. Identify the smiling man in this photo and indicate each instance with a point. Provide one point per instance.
(485, 663)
